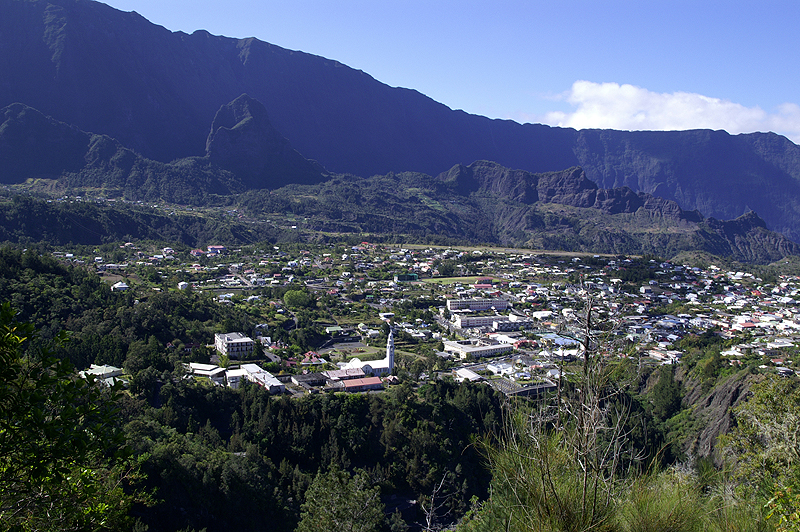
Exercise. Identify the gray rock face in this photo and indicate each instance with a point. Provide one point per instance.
(712, 410)
(746, 237)
(568, 187)
(243, 141)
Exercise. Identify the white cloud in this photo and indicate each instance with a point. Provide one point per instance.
(627, 107)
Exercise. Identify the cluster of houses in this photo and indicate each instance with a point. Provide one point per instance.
(518, 303)
(734, 305)
(352, 376)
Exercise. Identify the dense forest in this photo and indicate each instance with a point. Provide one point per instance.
(29, 221)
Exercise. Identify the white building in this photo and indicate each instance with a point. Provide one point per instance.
(119, 286)
(234, 345)
(265, 379)
(477, 349)
(465, 374)
(503, 367)
(215, 373)
(512, 323)
(235, 376)
(253, 373)
(108, 375)
(384, 366)
(465, 321)
(477, 304)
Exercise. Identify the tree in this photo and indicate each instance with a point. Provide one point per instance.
(63, 462)
(666, 394)
(447, 268)
(762, 451)
(430, 506)
(339, 502)
(297, 298)
(763, 447)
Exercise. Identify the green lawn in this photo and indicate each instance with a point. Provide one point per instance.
(454, 280)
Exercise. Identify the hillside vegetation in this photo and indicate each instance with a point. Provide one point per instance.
(620, 445)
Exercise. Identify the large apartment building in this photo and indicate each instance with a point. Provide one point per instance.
(477, 304)
(475, 348)
(234, 345)
(497, 323)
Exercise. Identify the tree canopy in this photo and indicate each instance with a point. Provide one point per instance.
(63, 460)
(338, 501)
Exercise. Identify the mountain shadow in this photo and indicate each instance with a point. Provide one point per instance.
(244, 152)
(243, 141)
(156, 91)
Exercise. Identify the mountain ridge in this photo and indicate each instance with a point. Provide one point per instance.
(156, 91)
(481, 202)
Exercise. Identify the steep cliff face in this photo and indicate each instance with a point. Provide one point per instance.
(568, 187)
(244, 152)
(623, 199)
(560, 187)
(33, 145)
(749, 237)
(486, 177)
(716, 173)
(36, 146)
(711, 410)
(639, 223)
(243, 141)
(156, 91)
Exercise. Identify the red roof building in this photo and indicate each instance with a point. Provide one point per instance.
(363, 385)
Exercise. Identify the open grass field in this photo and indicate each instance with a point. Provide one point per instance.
(453, 280)
(516, 251)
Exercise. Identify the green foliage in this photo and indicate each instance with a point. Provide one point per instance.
(675, 500)
(446, 268)
(27, 220)
(396, 522)
(702, 357)
(666, 394)
(109, 327)
(200, 480)
(661, 502)
(63, 461)
(212, 450)
(762, 449)
(297, 298)
(337, 501)
(784, 510)
(536, 487)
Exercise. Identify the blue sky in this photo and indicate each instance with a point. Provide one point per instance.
(579, 63)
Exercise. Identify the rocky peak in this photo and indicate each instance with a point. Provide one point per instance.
(243, 140)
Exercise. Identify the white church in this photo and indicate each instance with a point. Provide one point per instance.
(375, 368)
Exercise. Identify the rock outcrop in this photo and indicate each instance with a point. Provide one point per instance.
(243, 140)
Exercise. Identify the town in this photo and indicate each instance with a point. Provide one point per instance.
(358, 318)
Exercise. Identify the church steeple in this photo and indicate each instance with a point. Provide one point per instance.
(390, 350)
